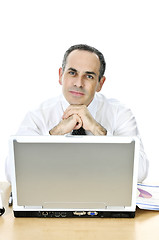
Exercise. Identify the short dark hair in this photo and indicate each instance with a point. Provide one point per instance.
(89, 49)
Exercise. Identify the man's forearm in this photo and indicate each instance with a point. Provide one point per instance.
(56, 131)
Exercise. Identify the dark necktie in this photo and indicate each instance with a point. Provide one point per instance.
(79, 131)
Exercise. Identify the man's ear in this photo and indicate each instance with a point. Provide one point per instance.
(100, 84)
(60, 76)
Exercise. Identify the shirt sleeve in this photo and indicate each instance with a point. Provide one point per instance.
(32, 125)
(126, 126)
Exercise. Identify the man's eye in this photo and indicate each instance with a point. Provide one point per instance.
(72, 73)
(90, 76)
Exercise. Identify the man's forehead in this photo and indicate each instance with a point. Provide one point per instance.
(84, 60)
(83, 53)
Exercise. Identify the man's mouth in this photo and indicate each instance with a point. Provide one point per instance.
(77, 93)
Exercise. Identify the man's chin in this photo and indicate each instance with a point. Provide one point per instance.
(77, 101)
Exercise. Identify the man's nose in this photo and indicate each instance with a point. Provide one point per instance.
(79, 81)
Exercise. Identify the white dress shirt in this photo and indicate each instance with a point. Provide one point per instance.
(112, 115)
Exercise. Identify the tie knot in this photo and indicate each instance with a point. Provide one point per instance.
(79, 131)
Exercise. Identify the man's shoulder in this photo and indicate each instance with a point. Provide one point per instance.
(107, 101)
(49, 103)
(111, 104)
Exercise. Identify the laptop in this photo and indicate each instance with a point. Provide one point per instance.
(74, 176)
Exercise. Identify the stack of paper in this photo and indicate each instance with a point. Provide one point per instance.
(147, 197)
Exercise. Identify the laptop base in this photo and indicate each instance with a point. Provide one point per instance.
(76, 214)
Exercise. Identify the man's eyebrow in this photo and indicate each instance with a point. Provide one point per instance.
(87, 72)
(72, 69)
(93, 73)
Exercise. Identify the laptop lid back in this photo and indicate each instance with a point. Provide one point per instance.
(74, 173)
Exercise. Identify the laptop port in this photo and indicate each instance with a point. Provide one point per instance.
(51, 214)
(57, 214)
(79, 213)
(92, 213)
(63, 214)
(45, 214)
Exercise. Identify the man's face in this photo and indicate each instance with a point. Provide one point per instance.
(80, 79)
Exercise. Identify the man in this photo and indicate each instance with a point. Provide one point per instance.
(81, 107)
(80, 78)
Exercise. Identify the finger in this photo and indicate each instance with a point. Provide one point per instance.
(79, 122)
(71, 112)
(70, 123)
(72, 109)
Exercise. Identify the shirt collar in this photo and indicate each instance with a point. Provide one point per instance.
(64, 103)
(92, 107)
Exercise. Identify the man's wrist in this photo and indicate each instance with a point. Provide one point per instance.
(98, 130)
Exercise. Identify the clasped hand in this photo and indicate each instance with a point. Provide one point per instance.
(77, 116)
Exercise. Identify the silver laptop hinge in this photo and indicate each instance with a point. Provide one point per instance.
(33, 207)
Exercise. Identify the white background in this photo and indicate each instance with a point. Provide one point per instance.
(34, 36)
